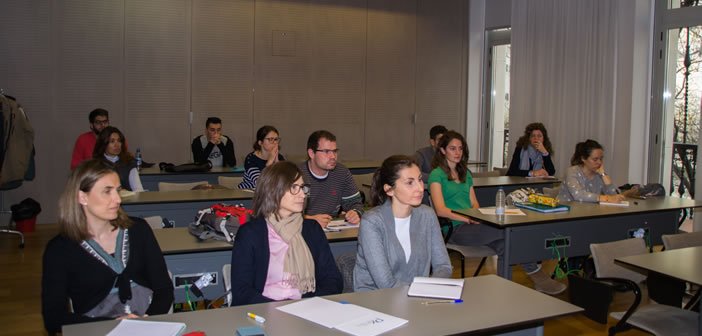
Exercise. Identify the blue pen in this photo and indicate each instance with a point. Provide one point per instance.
(442, 301)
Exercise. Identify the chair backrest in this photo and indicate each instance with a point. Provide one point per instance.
(492, 173)
(552, 192)
(682, 240)
(346, 263)
(227, 277)
(361, 181)
(155, 222)
(231, 182)
(170, 186)
(604, 254)
(501, 170)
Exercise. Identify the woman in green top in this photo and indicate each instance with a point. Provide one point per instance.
(451, 187)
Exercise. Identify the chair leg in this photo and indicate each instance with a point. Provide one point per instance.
(463, 266)
(480, 266)
(17, 233)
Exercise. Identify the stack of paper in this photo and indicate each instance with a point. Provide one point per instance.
(621, 204)
(349, 318)
(341, 224)
(441, 288)
(128, 327)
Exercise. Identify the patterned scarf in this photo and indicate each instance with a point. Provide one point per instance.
(530, 156)
(299, 265)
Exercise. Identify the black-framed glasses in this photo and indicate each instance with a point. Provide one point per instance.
(295, 188)
(274, 140)
(328, 151)
(102, 122)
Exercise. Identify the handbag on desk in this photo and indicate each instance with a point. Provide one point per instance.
(219, 221)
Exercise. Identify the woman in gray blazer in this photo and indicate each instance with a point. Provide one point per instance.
(400, 238)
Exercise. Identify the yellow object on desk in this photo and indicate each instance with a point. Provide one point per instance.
(543, 199)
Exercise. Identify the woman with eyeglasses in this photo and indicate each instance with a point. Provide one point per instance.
(110, 149)
(266, 152)
(400, 238)
(279, 255)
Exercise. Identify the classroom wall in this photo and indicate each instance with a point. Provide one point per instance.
(379, 74)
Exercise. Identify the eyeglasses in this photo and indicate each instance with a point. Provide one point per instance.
(328, 151)
(295, 189)
(272, 139)
(102, 122)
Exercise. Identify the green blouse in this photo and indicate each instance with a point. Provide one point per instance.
(456, 195)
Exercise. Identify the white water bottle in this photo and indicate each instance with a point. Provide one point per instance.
(500, 202)
(138, 159)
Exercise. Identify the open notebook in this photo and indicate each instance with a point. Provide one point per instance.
(441, 288)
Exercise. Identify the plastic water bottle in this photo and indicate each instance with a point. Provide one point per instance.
(138, 159)
(500, 202)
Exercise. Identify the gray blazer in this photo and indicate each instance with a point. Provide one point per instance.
(380, 260)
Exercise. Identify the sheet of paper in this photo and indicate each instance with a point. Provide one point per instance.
(621, 204)
(374, 323)
(129, 327)
(508, 211)
(322, 311)
(340, 224)
(542, 177)
(349, 318)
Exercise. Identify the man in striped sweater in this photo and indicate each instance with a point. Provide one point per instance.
(333, 192)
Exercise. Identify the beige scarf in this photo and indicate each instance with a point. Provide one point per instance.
(298, 260)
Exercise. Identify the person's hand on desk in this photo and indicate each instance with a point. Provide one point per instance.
(322, 219)
(539, 173)
(352, 217)
(130, 316)
(611, 198)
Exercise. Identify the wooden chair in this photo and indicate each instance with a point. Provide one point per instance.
(682, 240)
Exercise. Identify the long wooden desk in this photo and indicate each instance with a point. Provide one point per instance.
(530, 238)
(486, 187)
(150, 177)
(181, 206)
(683, 264)
(491, 306)
(186, 256)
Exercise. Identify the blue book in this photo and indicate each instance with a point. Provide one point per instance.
(541, 207)
(250, 331)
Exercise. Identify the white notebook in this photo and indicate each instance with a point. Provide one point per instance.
(440, 288)
(349, 318)
(129, 327)
(620, 204)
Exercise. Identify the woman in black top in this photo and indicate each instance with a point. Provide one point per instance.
(107, 264)
(266, 152)
(110, 148)
(532, 155)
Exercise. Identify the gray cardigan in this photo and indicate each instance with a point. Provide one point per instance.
(380, 261)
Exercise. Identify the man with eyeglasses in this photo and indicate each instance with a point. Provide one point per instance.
(213, 146)
(83, 149)
(333, 192)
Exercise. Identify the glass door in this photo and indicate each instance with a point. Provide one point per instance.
(497, 97)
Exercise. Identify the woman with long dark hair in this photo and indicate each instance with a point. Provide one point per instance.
(400, 238)
(279, 255)
(110, 149)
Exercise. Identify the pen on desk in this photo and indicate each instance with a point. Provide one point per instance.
(442, 301)
(259, 319)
